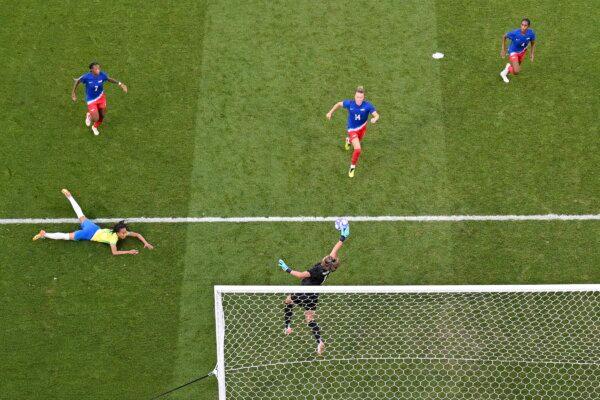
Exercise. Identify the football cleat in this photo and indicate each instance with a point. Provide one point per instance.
(88, 119)
(504, 76)
(347, 144)
(95, 130)
(351, 172)
(39, 235)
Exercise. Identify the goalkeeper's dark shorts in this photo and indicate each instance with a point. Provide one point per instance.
(308, 301)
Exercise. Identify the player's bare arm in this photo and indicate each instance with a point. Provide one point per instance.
(121, 84)
(503, 51)
(334, 108)
(375, 117)
(116, 252)
(73, 92)
(532, 49)
(141, 239)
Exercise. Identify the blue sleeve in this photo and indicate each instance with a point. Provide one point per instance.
(372, 108)
(346, 104)
(82, 79)
(532, 35)
(105, 75)
(511, 35)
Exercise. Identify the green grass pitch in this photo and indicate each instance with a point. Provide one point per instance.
(226, 117)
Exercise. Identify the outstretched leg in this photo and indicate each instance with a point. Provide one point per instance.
(355, 154)
(288, 314)
(74, 204)
(54, 235)
(60, 235)
(309, 315)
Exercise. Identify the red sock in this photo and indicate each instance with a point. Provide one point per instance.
(98, 123)
(510, 70)
(355, 156)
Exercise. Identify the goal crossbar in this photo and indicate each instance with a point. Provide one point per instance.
(408, 289)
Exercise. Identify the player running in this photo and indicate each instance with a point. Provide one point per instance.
(358, 116)
(519, 42)
(94, 95)
(91, 231)
(314, 276)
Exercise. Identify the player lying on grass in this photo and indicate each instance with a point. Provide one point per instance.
(94, 94)
(519, 42)
(358, 116)
(91, 231)
(314, 276)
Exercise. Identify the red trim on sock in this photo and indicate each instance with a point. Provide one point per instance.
(355, 156)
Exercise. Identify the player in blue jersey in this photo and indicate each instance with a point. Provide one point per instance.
(520, 40)
(358, 115)
(94, 95)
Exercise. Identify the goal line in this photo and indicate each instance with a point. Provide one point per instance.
(360, 218)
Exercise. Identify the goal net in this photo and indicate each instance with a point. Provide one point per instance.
(410, 342)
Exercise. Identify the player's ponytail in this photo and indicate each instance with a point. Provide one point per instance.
(92, 64)
(360, 89)
(119, 225)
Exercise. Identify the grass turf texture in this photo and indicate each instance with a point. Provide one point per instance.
(225, 117)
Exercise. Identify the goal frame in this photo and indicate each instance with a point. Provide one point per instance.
(219, 290)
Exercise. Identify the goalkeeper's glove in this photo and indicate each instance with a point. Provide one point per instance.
(345, 232)
(284, 267)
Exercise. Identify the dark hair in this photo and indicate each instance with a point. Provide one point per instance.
(330, 263)
(360, 89)
(118, 226)
(93, 63)
(528, 21)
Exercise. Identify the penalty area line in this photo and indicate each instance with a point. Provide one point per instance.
(380, 218)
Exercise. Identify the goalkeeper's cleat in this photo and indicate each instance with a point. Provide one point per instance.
(320, 348)
(351, 172)
(88, 119)
(40, 235)
(287, 330)
(347, 144)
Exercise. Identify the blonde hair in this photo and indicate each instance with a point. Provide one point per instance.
(330, 263)
(360, 89)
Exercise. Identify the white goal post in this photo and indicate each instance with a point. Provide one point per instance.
(408, 342)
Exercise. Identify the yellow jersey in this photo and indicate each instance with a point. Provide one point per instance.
(105, 236)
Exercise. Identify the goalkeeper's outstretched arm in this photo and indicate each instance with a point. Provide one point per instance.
(297, 274)
(344, 233)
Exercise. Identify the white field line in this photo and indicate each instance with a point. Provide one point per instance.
(381, 218)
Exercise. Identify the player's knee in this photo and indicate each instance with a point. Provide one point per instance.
(288, 300)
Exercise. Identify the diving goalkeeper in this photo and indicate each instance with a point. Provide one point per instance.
(314, 276)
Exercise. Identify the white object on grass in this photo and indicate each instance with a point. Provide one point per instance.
(437, 56)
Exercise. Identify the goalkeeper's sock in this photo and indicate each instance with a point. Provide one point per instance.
(289, 313)
(57, 236)
(315, 330)
(355, 156)
(75, 206)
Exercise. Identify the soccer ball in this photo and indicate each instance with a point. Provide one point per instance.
(341, 223)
